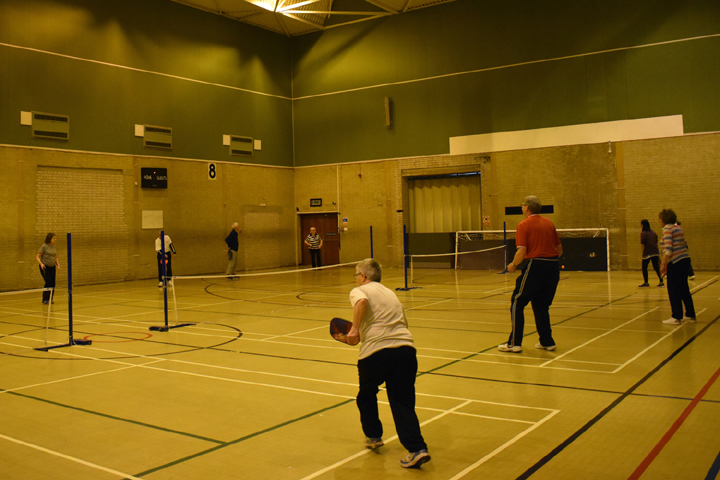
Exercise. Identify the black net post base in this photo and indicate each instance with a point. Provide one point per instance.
(71, 343)
(165, 328)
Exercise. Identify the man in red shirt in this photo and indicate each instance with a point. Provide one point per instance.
(538, 242)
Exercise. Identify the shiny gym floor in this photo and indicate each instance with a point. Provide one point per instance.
(257, 389)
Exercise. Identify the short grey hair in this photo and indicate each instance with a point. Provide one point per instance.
(370, 268)
(533, 203)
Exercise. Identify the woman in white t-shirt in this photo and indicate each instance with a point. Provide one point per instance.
(47, 258)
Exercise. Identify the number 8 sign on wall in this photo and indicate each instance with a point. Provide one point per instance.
(212, 171)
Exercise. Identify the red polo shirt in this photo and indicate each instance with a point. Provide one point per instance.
(539, 237)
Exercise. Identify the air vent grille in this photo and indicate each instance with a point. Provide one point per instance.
(241, 146)
(51, 126)
(158, 137)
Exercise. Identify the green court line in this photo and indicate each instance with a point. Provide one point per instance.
(113, 417)
(241, 439)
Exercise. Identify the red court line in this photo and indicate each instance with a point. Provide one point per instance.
(675, 426)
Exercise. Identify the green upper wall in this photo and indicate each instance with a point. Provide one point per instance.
(461, 68)
(470, 67)
(113, 64)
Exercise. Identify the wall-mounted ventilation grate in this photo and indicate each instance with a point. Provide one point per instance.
(50, 125)
(241, 146)
(158, 137)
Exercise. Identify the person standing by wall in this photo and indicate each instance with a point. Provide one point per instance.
(47, 258)
(314, 243)
(387, 355)
(233, 244)
(538, 241)
(676, 263)
(650, 252)
(165, 256)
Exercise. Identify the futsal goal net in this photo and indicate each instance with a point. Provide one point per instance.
(586, 249)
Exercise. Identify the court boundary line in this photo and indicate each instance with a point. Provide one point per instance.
(598, 337)
(578, 433)
(673, 428)
(70, 458)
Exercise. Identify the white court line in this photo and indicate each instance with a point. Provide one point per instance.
(429, 304)
(70, 378)
(367, 450)
(651, 346)
(294, 333)
(503, 447)
(597, 338)
(71, 458)
(155, 360)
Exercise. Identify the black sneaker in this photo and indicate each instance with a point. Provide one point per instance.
(643, 285)
(661, 284)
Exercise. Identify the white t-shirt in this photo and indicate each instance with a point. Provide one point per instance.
(384, 325)
(158, 244)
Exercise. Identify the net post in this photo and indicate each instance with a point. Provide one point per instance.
(405, 259)
(505, 270)
(163, 264)
(71, 339)
(371, 242)
(405, 253)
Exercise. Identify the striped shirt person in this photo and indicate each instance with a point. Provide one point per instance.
(314, 243)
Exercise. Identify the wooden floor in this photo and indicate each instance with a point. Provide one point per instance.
(258, 390)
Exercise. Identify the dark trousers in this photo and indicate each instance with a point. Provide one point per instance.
(397, 368)
(49, 276)
(536, 284)
(168, 267)
(656, 267)
(678, 289)
(315, 257)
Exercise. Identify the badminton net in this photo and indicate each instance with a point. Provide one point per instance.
(212, 298)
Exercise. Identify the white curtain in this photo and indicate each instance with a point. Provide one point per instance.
(445, 203)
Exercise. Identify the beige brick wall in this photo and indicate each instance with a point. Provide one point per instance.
(680, 173)
(197, 214)
(90, 204)
(589, 186)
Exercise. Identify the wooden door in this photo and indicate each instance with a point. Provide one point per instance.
(327, 227)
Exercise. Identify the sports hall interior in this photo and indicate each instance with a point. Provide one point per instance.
(608, 111)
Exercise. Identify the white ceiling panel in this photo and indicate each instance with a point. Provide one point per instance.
(295, 17)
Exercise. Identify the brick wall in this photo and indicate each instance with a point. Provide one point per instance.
(680, 173)
(89, 204)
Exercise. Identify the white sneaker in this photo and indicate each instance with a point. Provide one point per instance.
(689, 319)
(160, 284)
(539, 346)
(672, 321)
(507, 348)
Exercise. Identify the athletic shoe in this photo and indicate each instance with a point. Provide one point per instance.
(45, 302)
(644, 285)
(159, 284)
(373, 443)
(415, 459)
(541, 347)
(672, 321)
(689, 319)
(507, 348)
(661, 284)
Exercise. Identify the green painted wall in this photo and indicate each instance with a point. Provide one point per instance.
(471, 67)
(211, 76)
